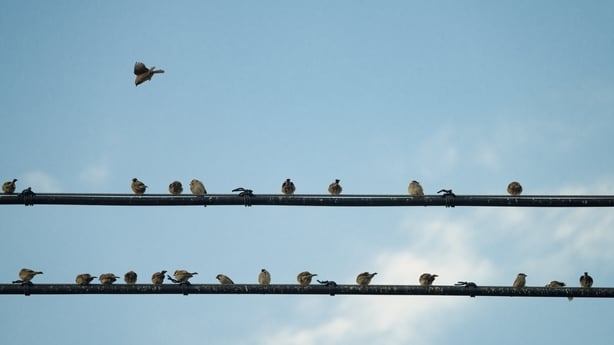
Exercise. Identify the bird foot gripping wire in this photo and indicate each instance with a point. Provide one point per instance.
(448, 196)
(246, 194)
(330, 284)
(27, 195)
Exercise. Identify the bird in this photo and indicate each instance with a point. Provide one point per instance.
(520, 280)
(264, 278)
(197, 187)
(137, 186)
(224, 279)
(8, 187)
(427, 278)
(107, 278)
(415, 189)
(143, 73)
(514, 188)
(175, 188)
(288, 187)
(130, 278)
(364, 278)
(182, 276)
(586, 281)
(84, 279)
(304, 278)
(25, 276)
(335, 188)
(158, 278)
(555, 284)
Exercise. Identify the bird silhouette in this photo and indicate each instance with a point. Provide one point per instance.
(224, 279)
(8, 187)
(130, 277)
(415, 189)
(25, 276)
(520, 281)
(175, 188)
(287, 188)
(335, 188)
(137, 186)
(364, 278)
(304, 278)
(514, 188)
(158, 278)
(107, 278)
(197, 187)
(264, 277)
(143, 73)
(586, 281)
(84, 279)
(427, 278)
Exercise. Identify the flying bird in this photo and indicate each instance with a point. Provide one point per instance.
(175, 188)
(586, 281)
(107, 278)
(25, 276)
(143, 73)
(182, 277)
(415, 189)
(288, 187)
(555, 284)
(364, 278)
(8, 187)
(514, 188)
(84, 279)
(224, 279)
(264, 278)
(130, 278)
(520, 280)
(138, 187)
(335, 188)
(158, 278)
(197, 187)
(427, 278)
(304, 278)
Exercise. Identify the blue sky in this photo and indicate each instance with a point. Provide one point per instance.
(464, 95)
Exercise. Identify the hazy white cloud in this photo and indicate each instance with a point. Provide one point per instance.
(96, 173)
(40, 182)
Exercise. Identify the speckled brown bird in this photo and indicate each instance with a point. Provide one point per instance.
(264, 277)
(415, 189)
(197, 187)
(130, 277)
(107, 278)
(555, 284)
(364, 278)
(182, 276)
(427, 278)
(84, 279)
(143, 73)
(514, 188)
(586, 281)
(304, 278)
(288, 187)
(224, 279)
(158, 278)
(175, 188)
(520, 281)
(26, 275)
(137, 186)
(335, 188)
(8, 187)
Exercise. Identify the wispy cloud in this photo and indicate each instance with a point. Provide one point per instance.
(40, 181)
(96, 173)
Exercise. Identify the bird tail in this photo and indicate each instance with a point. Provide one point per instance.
(156, 71)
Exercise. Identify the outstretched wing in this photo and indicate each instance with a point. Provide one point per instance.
(140, 68)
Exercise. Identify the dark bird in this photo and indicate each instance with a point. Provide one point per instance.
(182, 276)
(415, 189)
(107, 278)
(364, 278)
(8, 187)
(84, 279)
(158, 278)
(514, 188)
(288, 187)
(264, 277)
(130, 278)
(175, 188)
(25, 276)
(143, 73)
(246, 194)
(224, 279)
(197, 187)
(586, 281)
(555, 284)
(137, 186)
(304, 278)
(427, 278)
(335, 188)
(520, 281)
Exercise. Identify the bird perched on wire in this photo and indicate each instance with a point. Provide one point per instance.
(520, 281)
(514, 188)
(224, 279)
(427, 278)
(107, 278)
(555, 284)
(137, 186)
(586, 281)
(84, 279)
(197, 187)
(130, 278)
(175, 188)
(25, 276)
(364, 278)
(415, 189)
(288, 187)
(304, 278)
(8, 187)
(143, 73)
(264, 277)
(335, 188)
(158, 278)
(182, 277)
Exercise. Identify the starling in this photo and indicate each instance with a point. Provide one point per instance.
(555, 284)
(130, 278)
(197, 187)
(175, 188)
(26, 275)
(143, 73)
(520, 280)
(84, 279)
(137, 186)
(427, 278)
(415, 189)
(586, 281)
(335, 188)
(158, 278)
(224, 279)
(264, 278)
(304, 278)
(182, 276)
(364, 278)
(288, 187)
(8, 187)
(107, 278)
(514, 188)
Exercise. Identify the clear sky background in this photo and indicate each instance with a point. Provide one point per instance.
(468, 95)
